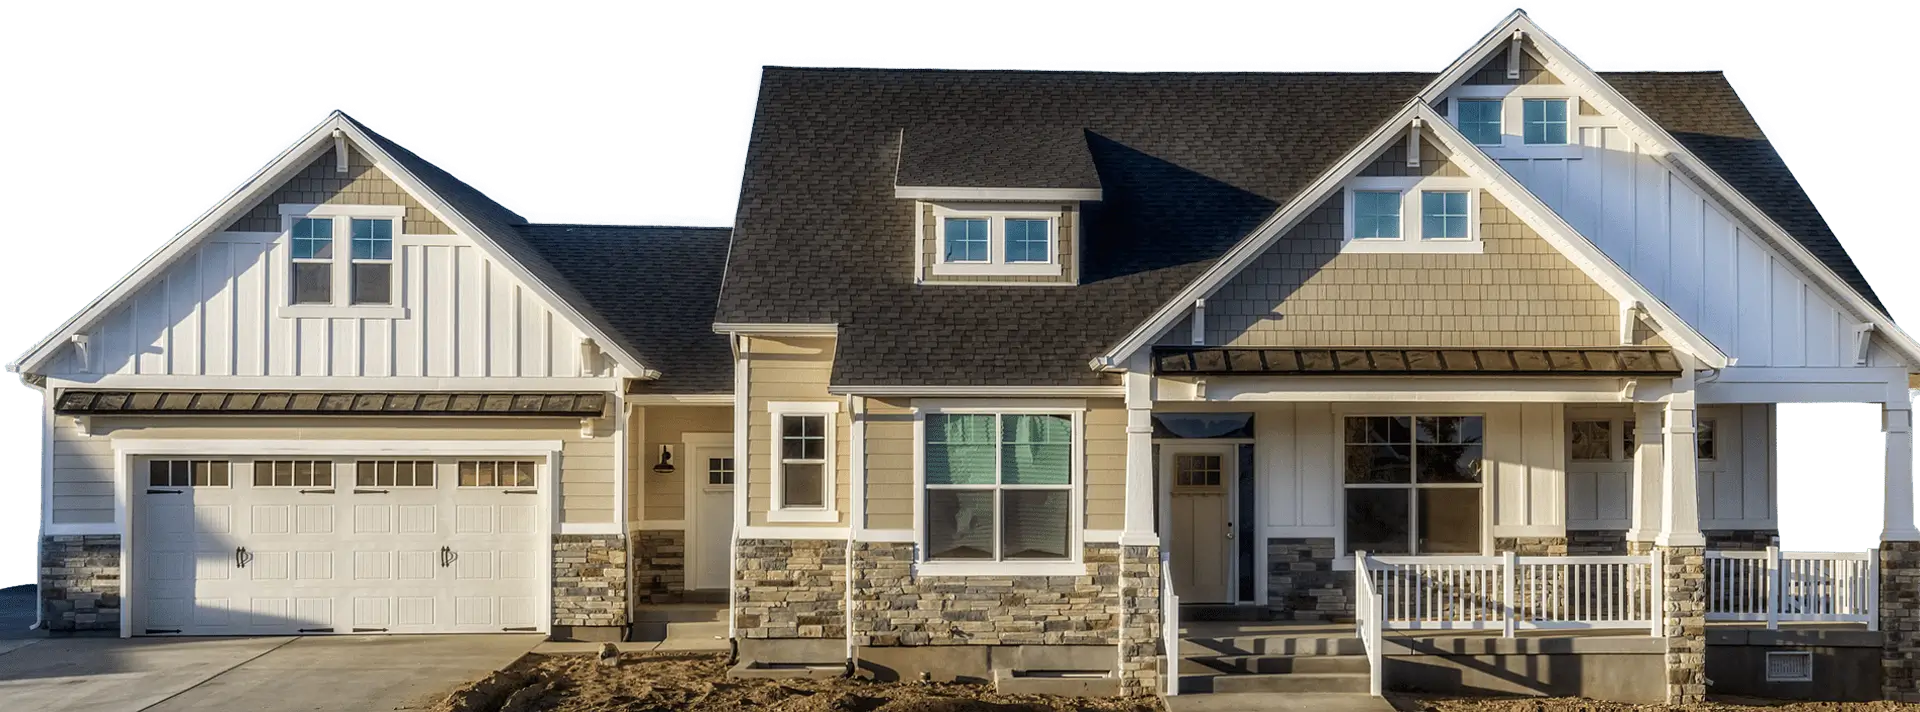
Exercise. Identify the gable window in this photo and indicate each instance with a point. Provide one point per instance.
(1413, 484)
(1376, 215)
(985, 239)
(1544, 121)
(372, 266)
(311, 242)
(802, 460)
(1480, 120)
(999, 486)
(1443, 215)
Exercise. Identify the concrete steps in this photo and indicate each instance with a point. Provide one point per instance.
(1277, 702)
(1315, 663)
(693, 626)
(1272, 664)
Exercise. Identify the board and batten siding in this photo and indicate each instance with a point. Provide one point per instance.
(789, 369)
(1736, 489)
(83, 463)
(1298, 453)
(663, 497)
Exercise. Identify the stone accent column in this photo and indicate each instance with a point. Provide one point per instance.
(1900, 620)
(1301, 582)
(590, 586)
(1683, 598)
(80, 582)
(1141, 623)
(790, 588)
(659, 566)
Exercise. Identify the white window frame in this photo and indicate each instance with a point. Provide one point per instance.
(996, 215)
(1619, 462)
(1513, 118)
(1455, 114)
(1074, 564)
(342, 262)
(1489, 471)
(777, 511)
(392, 261)
(1410, 239)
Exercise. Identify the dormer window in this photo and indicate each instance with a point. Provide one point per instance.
(1012, 240)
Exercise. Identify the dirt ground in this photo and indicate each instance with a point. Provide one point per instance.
(698, 681)
(1434, 704)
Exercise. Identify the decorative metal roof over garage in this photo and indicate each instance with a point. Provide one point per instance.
(1364, 361)
(545, 405)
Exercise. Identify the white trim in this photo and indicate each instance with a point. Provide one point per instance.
(447, 448)
(621, 422)
(1487, 486)
(911, 192)
(828, 511)
(990, 406)
(1000, 568)
(771, 329)
(996, 216)
(323, 383)
(1074, 564)
(856, 464)
(332, 210)
(590, 528)
(742, 360)
(1412, 190)
(806, 533)
(680, 398)
(896, 536)
(982, 391)
(660, 525)
(1100, 536)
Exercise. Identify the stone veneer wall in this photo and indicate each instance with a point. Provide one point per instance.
(590, 580)
(659, 566)
(894, 607)
(1141, 625)
(790, 588)
(1684, 622)
(1900, 620)
(1301, 582)
(1741, 539)
(1597, 543)
(80, 582)
(1532, 545)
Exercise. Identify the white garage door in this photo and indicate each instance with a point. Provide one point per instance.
(276, 546)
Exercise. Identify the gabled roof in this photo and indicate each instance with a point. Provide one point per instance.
(1004, 156)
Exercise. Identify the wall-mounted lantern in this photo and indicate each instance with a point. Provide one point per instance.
(665, 465)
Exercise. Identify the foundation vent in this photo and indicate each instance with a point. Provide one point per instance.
(1789, 667)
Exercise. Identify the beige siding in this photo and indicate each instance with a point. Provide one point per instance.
(788, 369)
(83, 464)
(663, 497)
(1066, 233)
(1532, 70)
(1305, 292)
(890, 451)
(1106, 440)
(321, 184)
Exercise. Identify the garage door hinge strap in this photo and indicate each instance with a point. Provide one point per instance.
(324, 491)
(528, 629)
(369, 491)
(161, 491)
(157, 631)
(369, 630)
(316, 630)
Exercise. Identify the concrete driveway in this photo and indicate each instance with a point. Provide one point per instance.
(345, 673)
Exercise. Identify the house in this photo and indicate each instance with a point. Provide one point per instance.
(1004, 373)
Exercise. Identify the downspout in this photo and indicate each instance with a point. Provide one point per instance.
(856, 509)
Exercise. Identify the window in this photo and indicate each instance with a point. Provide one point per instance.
(1443, 215)
(311, 241)
(1590, 440)
(1704, 446)
(393, 473)
(1376, 214)
(187, 473)
(1196, 471)
(999, 486)
(966, 240)
(720, 471)
(803, 461)
(1202, 425)
(1413, 484)
(292, 473)
(1480, 120)
(496, 473)
(1028, 241)
(372, 260)
(1544, 121)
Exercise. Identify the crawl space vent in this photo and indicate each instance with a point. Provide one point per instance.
(1789, 667)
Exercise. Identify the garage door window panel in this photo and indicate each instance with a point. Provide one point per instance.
(188, 473)
(293, 473)
(393, 473)
(496, 473)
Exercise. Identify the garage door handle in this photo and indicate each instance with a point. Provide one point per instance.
(447, 556)
(241, 557)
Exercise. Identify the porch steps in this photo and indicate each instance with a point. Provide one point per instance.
(1259, 661)
(680, 622)
(1277, 702)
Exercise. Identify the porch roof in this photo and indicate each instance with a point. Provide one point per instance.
(1395, 361)
(92, 402)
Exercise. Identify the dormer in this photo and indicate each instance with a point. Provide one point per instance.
(1514, 106)
(996, 205)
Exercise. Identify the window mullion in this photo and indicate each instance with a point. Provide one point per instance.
(999, 480)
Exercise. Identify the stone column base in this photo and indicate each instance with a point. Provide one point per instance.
(1141, 624)
(80, 582)
(1684, 614)
(1900, 620)
(659, 566)
(589, 587)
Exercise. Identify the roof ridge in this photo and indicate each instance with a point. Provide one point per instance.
(1092, 72)
(647, 226)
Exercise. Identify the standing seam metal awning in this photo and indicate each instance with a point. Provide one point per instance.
(97, 402)
(1374, 361)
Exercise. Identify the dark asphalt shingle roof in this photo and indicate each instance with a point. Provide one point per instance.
(969, 156)
(1189, 164)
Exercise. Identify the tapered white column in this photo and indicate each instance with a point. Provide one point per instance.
(1896, 419)
(1649, 461)
(1139, 526)
(1679, 483)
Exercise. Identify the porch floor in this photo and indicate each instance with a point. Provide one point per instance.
(1311, 629)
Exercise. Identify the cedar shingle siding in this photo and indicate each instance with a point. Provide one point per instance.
(321, 184)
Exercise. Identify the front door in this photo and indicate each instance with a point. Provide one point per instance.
(712, 482)
(1201, 522)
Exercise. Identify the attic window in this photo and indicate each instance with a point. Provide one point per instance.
(996, 239)
(340, 260)
(1544, 121)
(1411, 214)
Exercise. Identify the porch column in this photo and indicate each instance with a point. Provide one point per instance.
(1683, 552)
(1139, 524)
(1649, 461)
(1899, 557)
(1140, 564)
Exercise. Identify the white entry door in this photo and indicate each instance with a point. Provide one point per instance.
(258, 546)
(711, 532)
(1201, 482)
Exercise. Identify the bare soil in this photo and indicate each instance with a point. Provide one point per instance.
(1535, 704)
(698, 681)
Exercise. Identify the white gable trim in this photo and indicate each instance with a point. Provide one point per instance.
(262, 184)
(1574, 246)
(1675, 155)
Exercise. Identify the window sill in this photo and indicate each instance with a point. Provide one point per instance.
(1521, 150)
(803, 515)
(1442, 247)
(1000, 568)
(1036, 269)
(300, 311)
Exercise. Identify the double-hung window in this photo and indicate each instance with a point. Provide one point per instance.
(372, 262)
(803, 461)
(1413, 484)
(1543, 121)
(999, 487)
(311, 243)
(342, 260)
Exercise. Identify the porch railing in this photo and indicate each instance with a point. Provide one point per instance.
(1775, 586)
(1368, 608)
(1169, 624)
(1509, 592)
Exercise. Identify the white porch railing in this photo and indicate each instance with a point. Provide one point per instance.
(1509, 592)
(1367, 613)
(1775, 586)
(1169, 624)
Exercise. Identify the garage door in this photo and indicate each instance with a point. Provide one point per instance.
(278, 546)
